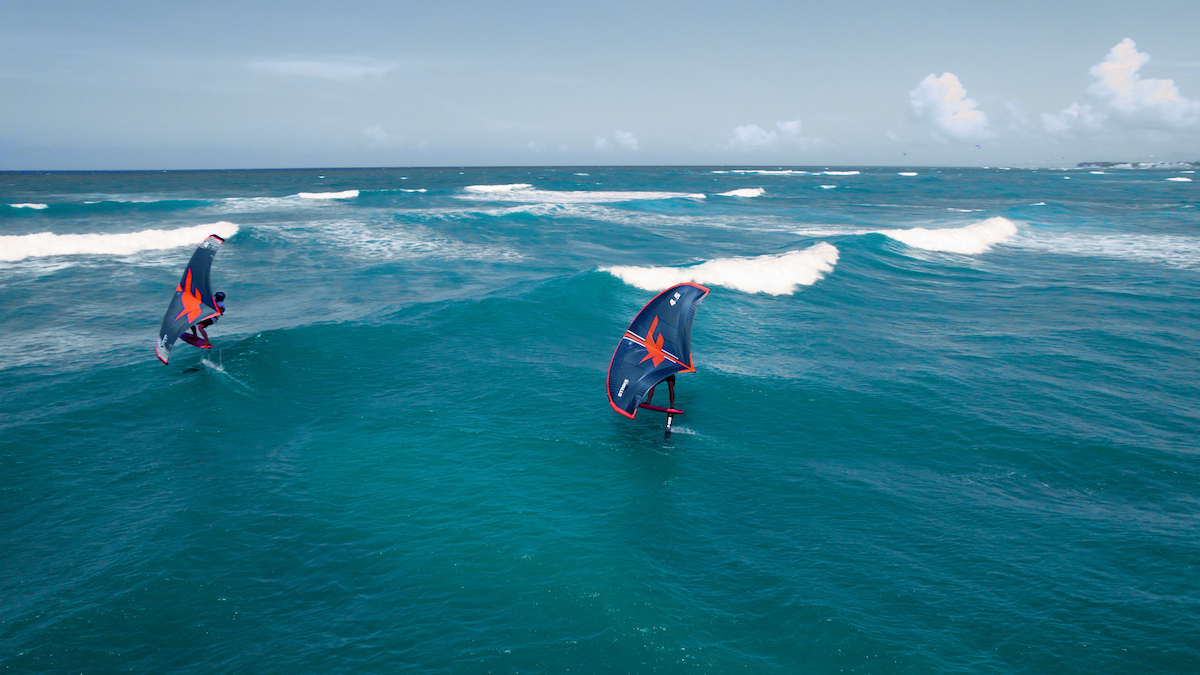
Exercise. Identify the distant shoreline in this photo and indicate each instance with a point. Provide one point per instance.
(1138, 165)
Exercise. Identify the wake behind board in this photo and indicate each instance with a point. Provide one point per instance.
(196, 341)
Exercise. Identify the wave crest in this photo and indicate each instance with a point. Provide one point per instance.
(743, 192)
(524, 192)
(487, 189)
(977, 238)
(766, 172)
(778, 274)
(42, 244)
(344, 194)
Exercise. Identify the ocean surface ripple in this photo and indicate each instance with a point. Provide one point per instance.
(942, 420)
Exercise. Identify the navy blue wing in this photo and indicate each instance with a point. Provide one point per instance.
(192, 302)
(657, 344)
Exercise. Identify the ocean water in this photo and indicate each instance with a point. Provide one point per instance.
(942, 421)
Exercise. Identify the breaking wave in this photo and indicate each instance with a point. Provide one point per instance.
(744, 192)
(778, 274)
(524, 192)
(344, 194)
(42, 244)
(971, 239)
(766, 172)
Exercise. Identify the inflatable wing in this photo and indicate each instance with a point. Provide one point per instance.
(656, 345)
(193, 300)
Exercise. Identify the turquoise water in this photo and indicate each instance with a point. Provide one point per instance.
(943, 422)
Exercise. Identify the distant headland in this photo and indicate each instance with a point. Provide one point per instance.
(1138, 165)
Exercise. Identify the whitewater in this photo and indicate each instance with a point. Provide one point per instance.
(941, 420)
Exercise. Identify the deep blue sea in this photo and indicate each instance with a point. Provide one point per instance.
(942, 421)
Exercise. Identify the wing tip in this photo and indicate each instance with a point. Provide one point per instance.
(619, 408)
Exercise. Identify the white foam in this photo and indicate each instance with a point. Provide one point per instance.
(29, 206)
(907, 173)
(524, 192)
(247, 204)
(512, 187)
(1181, 179)
(828, 187)
(345, 194)
(771, 274)
(767, 172)
(369, 240)
(1097, 173)
(971, 239)
(19, 247)
(743, 192)
(841, 173)
(1171, 250)
(1038, 204)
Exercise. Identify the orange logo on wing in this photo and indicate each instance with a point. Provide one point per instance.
(653, 345)
(190, 298)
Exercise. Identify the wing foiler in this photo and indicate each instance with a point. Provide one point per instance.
(193, 301)
(656, 345)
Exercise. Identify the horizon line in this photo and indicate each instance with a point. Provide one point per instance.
(1105, 163)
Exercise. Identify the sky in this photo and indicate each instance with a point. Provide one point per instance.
(166, 84)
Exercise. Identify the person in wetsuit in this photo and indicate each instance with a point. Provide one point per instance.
(219, 302)
(670, 380)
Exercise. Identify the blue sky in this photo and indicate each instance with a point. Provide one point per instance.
(184, 85)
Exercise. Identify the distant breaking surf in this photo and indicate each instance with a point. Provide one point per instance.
(42, 244)
(524, 192)
(766, 172)
(345, 194)
(771, 274)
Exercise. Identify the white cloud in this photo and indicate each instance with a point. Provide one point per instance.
(1072, 117)
(942, 103)
(751, 137)
(378, 138)
(626, 140)
(789, 129)
(1120, 89)
(622, 139)
(754, 137)
(342, 68)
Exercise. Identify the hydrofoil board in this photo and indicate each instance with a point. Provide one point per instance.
(669, 411)
(196, 341)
